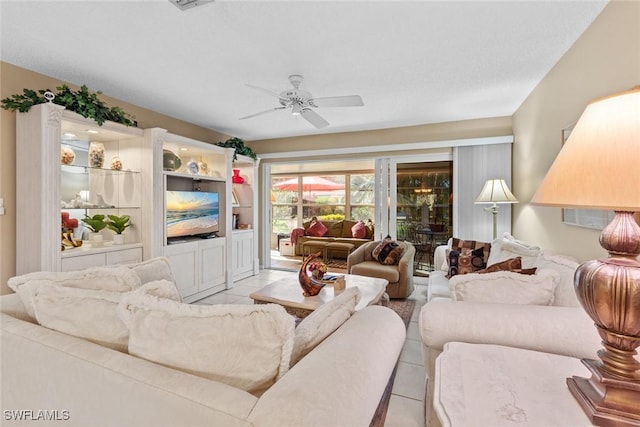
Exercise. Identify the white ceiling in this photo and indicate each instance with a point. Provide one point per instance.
(412, 62)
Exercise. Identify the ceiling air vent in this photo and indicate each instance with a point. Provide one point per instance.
(188, 4)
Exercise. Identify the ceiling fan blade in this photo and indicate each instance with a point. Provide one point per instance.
(265, 90)
(313, 118)
(339, 101)
(262, 112)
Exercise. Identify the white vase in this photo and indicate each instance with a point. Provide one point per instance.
(96, 240)
(118, 239)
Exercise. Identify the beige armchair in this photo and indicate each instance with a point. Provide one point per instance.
(400, 276)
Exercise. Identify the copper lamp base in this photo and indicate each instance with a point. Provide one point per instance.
(607, 401)
(609, 291)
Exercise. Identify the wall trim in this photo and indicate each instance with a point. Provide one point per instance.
(375, 150)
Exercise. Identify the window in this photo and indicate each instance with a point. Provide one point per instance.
(298, 198)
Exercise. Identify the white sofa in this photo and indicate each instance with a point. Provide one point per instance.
(339, 383)
(562, 327)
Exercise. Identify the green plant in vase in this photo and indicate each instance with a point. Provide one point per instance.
(95, 223)
(118, 224)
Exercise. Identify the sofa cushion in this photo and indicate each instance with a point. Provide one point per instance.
(505, 287)
(334, 229)
(375, 269)
(464, 261)
(114, 279)
(509, 247)
(245, 346)
(565, 266)
(316, 229)
(322, 322)
(91, 314)
(388, 252)
(359, 230)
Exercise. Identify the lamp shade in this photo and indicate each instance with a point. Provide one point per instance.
(496, 191)
(599, 165)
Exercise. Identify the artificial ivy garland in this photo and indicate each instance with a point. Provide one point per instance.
(83, 102)
(238, 144)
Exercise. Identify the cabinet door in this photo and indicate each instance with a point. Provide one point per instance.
(242, 262)
(184, 266)
(212, 263)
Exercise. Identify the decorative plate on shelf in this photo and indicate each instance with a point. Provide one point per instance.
(192, 167)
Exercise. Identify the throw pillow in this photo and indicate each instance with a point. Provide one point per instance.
(510, 264)
(509, 247)
(505, 287)
(316, 229)
(359, 231)
(388, 252)
(91, 314)
(465, 261)
(244, 346)
(459, 244)
(323, 322)
(370, 230)
(114, 279)
(154, 269)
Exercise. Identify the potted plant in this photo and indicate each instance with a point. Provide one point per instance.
(118, 224)
(240, 148)
(95, 223)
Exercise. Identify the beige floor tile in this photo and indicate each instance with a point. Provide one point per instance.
(410, 381)
(412, 352)
(404, 412)
(413, 331)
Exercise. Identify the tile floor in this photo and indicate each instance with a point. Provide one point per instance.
(406, 407)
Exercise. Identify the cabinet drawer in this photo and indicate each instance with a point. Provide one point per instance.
(127, 256)
(82, 262)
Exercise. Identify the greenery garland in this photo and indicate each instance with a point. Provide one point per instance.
(83, 102)
(240, 148)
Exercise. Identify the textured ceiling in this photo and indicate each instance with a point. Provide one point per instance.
(413, 62)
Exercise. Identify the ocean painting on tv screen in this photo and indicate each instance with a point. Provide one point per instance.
(192, 213)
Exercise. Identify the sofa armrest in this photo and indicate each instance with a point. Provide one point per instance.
(356, 257)
(336, 385)
(566, 331)
(439, 256)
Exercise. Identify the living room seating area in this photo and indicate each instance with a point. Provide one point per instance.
(172, 392)
(537, 312)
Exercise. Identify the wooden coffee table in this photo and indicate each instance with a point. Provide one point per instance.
(288, 293)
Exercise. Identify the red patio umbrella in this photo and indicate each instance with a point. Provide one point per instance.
(309, 183)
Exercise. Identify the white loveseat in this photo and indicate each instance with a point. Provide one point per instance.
(51, 375)
(560, 327)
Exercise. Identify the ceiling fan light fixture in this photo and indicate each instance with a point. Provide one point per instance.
(296, 110)
(188, 4)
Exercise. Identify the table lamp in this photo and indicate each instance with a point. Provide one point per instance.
(495, 191)
(599, 168)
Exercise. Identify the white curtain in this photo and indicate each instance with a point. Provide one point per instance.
(472, 167)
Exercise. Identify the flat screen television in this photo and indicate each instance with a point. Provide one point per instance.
(192, 213)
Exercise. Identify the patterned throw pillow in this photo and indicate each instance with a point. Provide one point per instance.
(316, 229)
(459, 244)
(388, 252)
(465, 261)
(511, 264)
(359, 231)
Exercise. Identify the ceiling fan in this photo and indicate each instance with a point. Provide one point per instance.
(302, 102)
